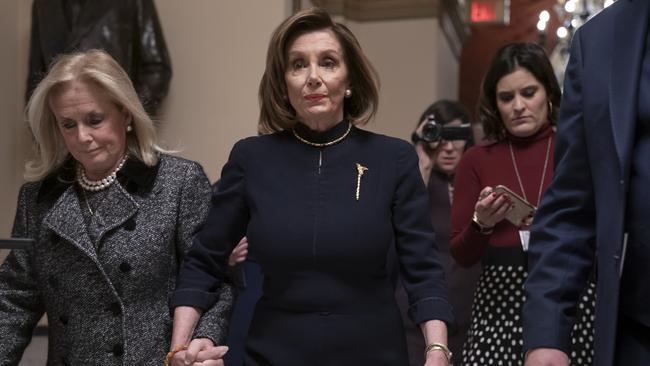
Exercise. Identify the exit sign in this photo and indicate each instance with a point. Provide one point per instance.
(488, 12)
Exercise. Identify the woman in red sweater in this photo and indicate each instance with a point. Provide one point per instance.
(519, 101)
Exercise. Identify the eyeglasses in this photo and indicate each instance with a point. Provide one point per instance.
(458, 144)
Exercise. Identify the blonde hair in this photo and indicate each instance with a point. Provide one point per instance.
(276, 112)
(99, 68)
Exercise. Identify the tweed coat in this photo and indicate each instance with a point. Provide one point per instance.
(106, 301)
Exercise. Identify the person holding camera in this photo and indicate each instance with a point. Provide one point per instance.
(497, 186)
(440, 138)
(442, 135)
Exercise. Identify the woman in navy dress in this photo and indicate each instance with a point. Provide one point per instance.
(321, 202)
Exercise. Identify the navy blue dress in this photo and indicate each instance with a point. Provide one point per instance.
(327, 295)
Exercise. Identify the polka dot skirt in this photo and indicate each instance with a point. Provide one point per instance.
(582, 336)
(495, 333)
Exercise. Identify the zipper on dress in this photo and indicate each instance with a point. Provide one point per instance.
(320, 160)
(316, 207)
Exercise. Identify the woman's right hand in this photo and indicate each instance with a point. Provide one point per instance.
(491, 208)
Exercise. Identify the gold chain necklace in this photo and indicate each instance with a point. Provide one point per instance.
(541, 183)
(323, 144)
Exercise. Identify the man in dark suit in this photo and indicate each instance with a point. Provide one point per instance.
(593, 213)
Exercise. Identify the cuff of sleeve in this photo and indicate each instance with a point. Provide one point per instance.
(213, 324)
(474, 234)
(541, 328)
(194, 298)
(535, 337)
(432, 308)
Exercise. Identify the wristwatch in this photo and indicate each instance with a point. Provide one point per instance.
(480, 227)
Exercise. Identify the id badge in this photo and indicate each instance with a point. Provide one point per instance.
(524, 237)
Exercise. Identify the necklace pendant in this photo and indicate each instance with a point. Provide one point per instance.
(360, 170)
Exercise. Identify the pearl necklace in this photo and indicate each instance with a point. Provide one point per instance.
(322, 144)
(97, 185)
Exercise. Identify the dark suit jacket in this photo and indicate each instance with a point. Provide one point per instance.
(129, 30)
(581, 219)
(107, 305)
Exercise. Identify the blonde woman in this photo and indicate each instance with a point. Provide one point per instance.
(111, 215)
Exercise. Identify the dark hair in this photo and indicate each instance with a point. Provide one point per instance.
(529, 56)
(446, 111)
(276, 112)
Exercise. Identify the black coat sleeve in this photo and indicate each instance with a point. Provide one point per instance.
(206, 264)
(562, 244)
(422, 272)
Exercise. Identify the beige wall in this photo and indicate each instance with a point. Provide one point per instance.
(14, 39)
(416, 68)
(218, 50)
(8, 105)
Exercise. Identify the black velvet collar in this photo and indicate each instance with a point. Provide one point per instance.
(134, 176)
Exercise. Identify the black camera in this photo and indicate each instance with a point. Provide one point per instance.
(433, 131)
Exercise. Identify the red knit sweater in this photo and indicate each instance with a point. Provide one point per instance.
(491, 165)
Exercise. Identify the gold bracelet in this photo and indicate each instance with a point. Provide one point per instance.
(438, 347)
(171, 354)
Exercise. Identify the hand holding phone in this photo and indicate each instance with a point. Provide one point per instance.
(521, 210)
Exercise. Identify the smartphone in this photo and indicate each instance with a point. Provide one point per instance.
(522, 209)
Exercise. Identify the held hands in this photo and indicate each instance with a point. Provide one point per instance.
(546, 357)
(200, 352)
